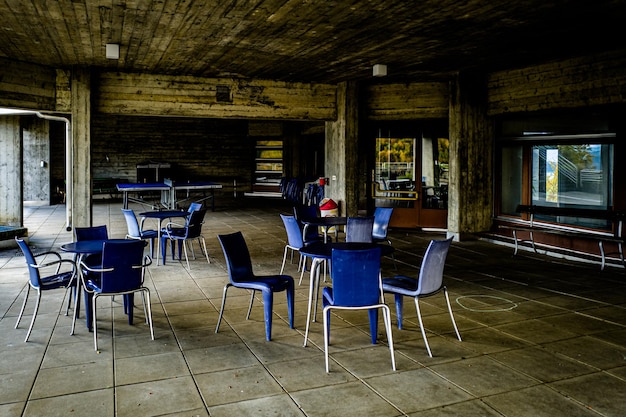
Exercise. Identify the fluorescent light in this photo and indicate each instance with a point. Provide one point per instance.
(112, 51)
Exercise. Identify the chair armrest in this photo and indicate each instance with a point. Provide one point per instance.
(57, 262)
(170, 224)
(92, 269)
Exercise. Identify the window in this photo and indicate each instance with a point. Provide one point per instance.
(394, 172)
(560, 171)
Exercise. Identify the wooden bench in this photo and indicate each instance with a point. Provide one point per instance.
(537, 226)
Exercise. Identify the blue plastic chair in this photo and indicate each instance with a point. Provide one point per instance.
(91, 233)
(192, 229)
(135, 232)
(65, 279)
(359, 229)
(312, 232)
(382, 216)
(241, 275)
(356, 286)
(429, 282)
(194, 206)
(121, 273)
(294, 243)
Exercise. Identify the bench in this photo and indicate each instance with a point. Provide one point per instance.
(537, 226)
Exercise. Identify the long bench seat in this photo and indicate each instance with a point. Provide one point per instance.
(537, 226)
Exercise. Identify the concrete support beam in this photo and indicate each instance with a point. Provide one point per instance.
(471, 158)
(341, 156)
(11, 213)
(79, 196)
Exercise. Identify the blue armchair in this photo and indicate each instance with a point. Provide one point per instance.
(121, 273)
(191, 230)
(60, 279)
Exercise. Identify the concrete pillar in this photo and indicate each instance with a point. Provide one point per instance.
(11, 213)
(341, 156)
(79, 196)
(470, 204)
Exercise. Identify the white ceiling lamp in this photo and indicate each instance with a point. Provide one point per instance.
(112, 51)
(379, 70)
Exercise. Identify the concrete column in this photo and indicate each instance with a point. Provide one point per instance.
(341, 157)
(470, 204)
(80, 194)
(11, 213)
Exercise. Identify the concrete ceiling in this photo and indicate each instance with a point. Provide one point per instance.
(308, 40)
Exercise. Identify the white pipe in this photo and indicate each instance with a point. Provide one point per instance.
(69, 168)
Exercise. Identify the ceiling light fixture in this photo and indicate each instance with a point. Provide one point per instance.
(380, 70)
(112, 51)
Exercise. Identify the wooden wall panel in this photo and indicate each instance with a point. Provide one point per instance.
(407, 101)
(197, 148)
(579, 82)
(160, 95)
(27, 86)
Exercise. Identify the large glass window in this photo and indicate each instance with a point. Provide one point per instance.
(575, 173)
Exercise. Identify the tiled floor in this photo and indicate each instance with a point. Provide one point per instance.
(541, 337)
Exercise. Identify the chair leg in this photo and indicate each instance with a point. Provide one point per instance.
(373, 315)
(250, 306)
(19, 317)
(149, 313)
(290, 290)
(268, 301)
(282, 268)
(206, 252)
(399, 308)
(219, 318)
(326, 322)
(419, 317)
(387, 321)
(184, 245)
(95, 321)
(32, 321)
(456, 330)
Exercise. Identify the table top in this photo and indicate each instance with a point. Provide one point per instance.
(142, 186)
(87, 247)
(196, 185)
(164, 214)
(325, 221)
(325, 250)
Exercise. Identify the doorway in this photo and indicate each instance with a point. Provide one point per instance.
(410, 174)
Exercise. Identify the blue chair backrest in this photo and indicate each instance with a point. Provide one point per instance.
(359, 229)
(382, 215)
(131, 223)
(294, 234)
(194, 224)
(35, 278)
(431, 271)
(122, 256)
(356, 277)
(91, 233)
(307, 212)
(237, 257)
(194, 207)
